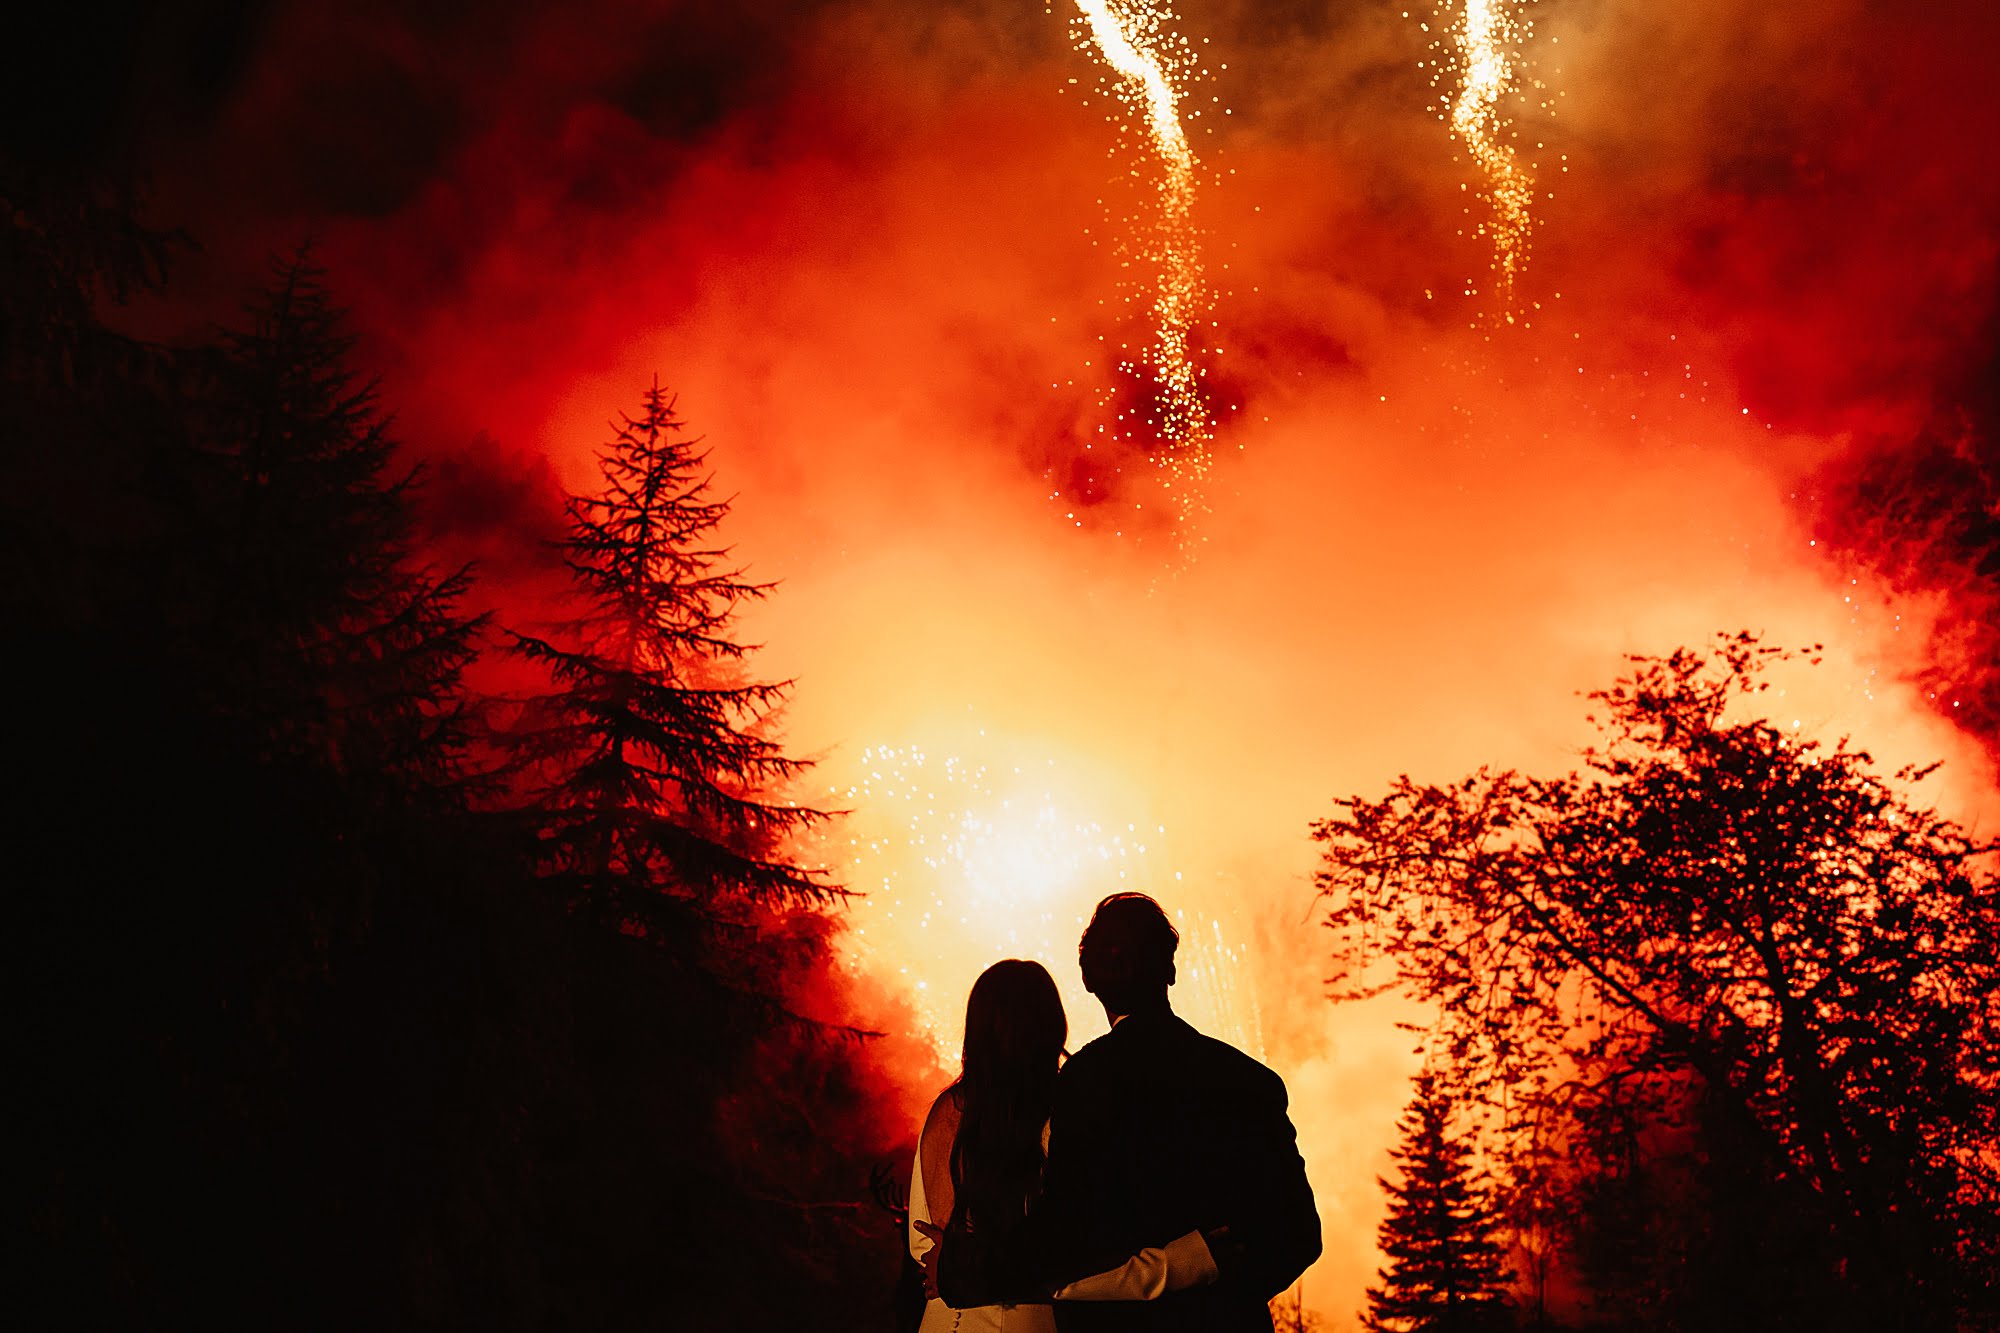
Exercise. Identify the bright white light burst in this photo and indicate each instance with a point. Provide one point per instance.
(960, 865)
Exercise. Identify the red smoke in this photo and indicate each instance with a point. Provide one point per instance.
(858, 240)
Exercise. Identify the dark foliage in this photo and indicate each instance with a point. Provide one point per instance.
(304, 1042)
(341, 648)
(1447, 1268)
(1673, 1219)
(1715, 903)
(69, 241)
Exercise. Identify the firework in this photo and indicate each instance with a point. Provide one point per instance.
(1152, 65)
(1487, 39)
(962, 863)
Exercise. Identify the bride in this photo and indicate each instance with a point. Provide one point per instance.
(979, 1157)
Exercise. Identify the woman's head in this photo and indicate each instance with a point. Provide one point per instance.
(1014, 1034)
(1014, 1022)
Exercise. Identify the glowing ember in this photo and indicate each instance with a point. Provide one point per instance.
(1152, 64)
(963, 864)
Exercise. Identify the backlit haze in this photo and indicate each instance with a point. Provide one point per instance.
(1056, 633)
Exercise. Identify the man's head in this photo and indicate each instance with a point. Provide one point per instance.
(1128, 953)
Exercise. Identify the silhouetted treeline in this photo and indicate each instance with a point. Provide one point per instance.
(326, 1015)
(1728, 1001)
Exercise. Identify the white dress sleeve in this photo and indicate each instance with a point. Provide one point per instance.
(1150, 1274)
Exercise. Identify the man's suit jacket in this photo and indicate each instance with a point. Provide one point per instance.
(1158, 1131)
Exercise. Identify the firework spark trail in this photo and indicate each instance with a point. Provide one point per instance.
(1128, 39)
(1487, 36)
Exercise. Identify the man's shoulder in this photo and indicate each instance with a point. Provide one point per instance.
(1176, 1043)
(1095, 1056)
(1229, 1065)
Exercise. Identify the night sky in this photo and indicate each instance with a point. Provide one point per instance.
(875, 248)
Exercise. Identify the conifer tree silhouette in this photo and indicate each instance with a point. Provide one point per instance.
(340, 647)
(1447, 1270)
(654, 790)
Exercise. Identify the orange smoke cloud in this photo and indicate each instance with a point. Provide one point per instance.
(858, 243)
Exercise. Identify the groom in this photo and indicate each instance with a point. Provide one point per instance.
(1156, 1131)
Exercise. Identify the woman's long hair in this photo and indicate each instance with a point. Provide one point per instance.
(1014, 1034)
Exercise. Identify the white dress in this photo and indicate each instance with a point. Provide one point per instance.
(941, 1318)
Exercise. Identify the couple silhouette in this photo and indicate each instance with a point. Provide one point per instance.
(1150, 1182)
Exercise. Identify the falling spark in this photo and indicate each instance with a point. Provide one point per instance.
(1488, 38)
(961, 864)
(1136, 40)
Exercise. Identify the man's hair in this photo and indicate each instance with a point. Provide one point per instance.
(1127, 952)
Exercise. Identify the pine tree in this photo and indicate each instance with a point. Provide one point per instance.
(655, 792)
(1447, 1270)
(335, 644)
